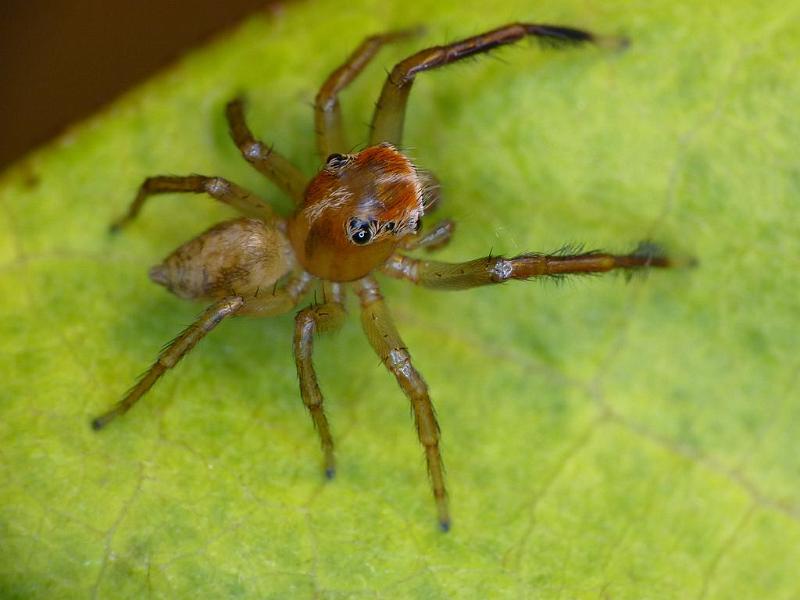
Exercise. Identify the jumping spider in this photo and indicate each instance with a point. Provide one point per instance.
(351, 219)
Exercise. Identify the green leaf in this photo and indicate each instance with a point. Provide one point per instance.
(603, 437)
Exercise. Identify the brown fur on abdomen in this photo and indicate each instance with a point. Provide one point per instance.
(240, 257)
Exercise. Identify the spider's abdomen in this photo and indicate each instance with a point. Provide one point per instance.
(240, 257)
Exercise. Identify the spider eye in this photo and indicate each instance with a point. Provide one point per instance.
(335, 160)
(389, 226)
(417, 225)
(360, 232)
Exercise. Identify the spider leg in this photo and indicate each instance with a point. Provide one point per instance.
(170, 356)
(327, 113)
(275, 167)
(434, 239)
(387, 121)
(316, 319)
(218, 188)
(496, 269)
(274, 301)
(386, 341)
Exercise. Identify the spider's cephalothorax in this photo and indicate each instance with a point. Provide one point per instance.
(354, 218)
(355, 212)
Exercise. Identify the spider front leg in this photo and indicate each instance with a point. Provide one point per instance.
(387, 343)
(275, 167)
(389, 116)
(327, 113)
(218, 188)
(496, 269)
(309, 321)
(175, 351)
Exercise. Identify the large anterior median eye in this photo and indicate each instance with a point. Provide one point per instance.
(360, 232)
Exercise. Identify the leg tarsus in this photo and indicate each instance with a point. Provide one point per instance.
(170, 356)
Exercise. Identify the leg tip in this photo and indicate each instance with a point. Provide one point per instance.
(236, 102)
(658, 257)
(687, 263)
(330, 473)
(613, 42)
(411, 32)
(100, 422)
(444, 525)
(651, 252)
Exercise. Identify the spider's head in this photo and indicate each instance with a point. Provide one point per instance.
(356, 211)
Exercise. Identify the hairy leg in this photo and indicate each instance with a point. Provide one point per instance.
(218, 188)
(310, 321)
(274, 166)
(496, 269)
(170, 356)
(387, 121)
(327, 113)
(386, 341)
(278, 300)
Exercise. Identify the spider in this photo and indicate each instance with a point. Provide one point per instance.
(353, 218)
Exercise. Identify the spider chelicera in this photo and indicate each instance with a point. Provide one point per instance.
(353, 218)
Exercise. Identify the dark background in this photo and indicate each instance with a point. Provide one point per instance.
(62, 60)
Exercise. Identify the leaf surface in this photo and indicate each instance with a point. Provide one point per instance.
(602, 437)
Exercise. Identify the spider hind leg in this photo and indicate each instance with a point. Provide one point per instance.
(169, 357)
